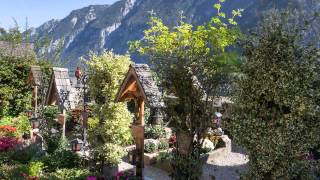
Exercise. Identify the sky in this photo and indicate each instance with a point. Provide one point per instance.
(39, 11)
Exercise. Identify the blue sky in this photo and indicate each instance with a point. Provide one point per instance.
(39, 11)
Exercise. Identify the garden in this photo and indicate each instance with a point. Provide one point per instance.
(114, 117)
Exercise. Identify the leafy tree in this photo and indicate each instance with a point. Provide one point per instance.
(109, 128)
(276, 112)
(191, 62)
(15, 94)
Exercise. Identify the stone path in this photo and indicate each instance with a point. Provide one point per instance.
(152, 173)
(226, 167)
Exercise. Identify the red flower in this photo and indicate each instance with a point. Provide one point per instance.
(172, 139)
(8, 128)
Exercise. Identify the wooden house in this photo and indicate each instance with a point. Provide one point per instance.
(139, 84)
(35, 80)
(16, 50)
(140, 87)
(60, 91)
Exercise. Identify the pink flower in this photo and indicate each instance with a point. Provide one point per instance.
(7, 143)
(91, 178)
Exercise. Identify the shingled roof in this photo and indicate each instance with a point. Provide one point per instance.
(148, 84)
(18, 50)
(35, 76)
(142, 74)
(60, 82)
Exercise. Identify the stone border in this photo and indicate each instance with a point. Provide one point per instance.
(151, 158)
(205, 158)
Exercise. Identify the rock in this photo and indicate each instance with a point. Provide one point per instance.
(207, 144)
(168, 132)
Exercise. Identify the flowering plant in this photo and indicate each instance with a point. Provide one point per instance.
(172, 140)
(7, 130)
(124, 175)
(7, 143)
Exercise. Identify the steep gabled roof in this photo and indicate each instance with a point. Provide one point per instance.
(35, 76)
(60, 82)
(145, 82)
(18, 50)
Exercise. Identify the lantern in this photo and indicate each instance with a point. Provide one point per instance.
(77, 144)
(61, 119)
(77, 73)
(34, 123)
(29, 113)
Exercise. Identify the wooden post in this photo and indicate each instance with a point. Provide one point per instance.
(64, 125)
(141, 112)
(140, 140)
(35, 100)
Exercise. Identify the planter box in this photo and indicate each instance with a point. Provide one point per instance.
(165, 166)
(122, 167)
(151, 158)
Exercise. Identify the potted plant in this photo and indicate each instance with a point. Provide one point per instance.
(111, 154)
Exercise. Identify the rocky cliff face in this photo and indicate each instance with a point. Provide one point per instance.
(100, 27)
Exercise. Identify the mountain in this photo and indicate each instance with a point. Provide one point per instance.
(99, 27)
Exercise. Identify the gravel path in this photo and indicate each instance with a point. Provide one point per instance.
(228, 167)
(152, 173)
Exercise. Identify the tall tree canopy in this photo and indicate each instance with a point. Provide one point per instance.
(191, 62)
(277, 103)
(109, 128)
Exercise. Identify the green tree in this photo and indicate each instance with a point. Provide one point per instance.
(191, 63)
(109, 128)
(276, 112)
(15, 62)
(15, 94)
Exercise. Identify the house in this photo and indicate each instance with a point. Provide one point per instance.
(60, 91)
(139, 82)
(16, 50)
(35, 79)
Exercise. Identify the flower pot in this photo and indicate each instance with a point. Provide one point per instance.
(110, 171)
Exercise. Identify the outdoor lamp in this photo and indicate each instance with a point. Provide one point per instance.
(77, 73)
(29, 113)
(76, 144)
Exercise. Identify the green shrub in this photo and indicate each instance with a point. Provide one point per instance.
(50, 112)
(52, 143)
(61, 159)
(109, 127)
(150, 147)
(5, 157)
(186, 166)
(22, 124)
(164, 156)
(112, 153)
(15, 94)
(275, 115)
(69, 174)
(155, 132)
(35, 168)
(163, 144)
(7, 120)
(13, 171)
(27, 154)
